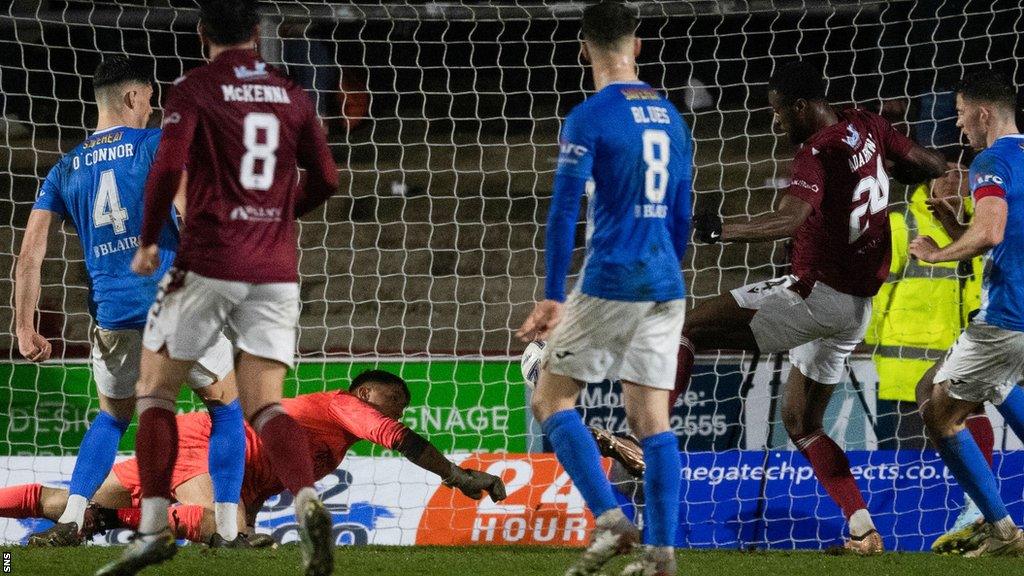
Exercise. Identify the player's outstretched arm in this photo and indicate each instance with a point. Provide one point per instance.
(917, 165)
(986, 230)
(27, 281)
(472, 483)
(782, 223)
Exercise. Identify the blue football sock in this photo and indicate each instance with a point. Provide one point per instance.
(96, 455)
(1012, 410)
(661, 489)
(227, 452)
(964, 459)
(577, 452)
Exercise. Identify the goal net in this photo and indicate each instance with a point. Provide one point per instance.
(444, 119)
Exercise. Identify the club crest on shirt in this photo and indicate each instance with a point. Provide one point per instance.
(853, 137)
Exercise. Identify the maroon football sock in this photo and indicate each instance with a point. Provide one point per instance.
(981, 429)
(156, 449)
(287, 447)
(832, 469)
(684, 369)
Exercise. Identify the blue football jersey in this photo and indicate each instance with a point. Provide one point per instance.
(98, 186)
(1001, 165)
(635, 148)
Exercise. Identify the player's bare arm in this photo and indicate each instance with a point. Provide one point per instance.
(472, 483)
(27, 281)
(986, 231)
(919, 165)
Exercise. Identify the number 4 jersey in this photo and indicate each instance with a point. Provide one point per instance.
(840, 172)
(98, 187)
(242, 130)
(635, 149)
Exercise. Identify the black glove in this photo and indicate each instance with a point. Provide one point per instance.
(707, 228)
(474, 483)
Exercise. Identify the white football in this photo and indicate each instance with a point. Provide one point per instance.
(530, 363)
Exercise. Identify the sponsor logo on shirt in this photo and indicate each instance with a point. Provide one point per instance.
(853, 137)
(258, 70)
(255, 214)
(570, 153)
(640, 94)
(983, 179)
(172, 118)
(805, 184)
(255, 93)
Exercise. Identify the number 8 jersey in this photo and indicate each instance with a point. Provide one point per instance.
(243, 129)
(840, 172)
(98, 187)
(634, 149)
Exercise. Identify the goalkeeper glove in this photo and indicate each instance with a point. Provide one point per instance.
(473, 483)
(707, 228)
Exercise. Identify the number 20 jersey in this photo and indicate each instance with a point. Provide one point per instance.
(840, 172)
(98, 187)
(249, 128)
(635, 148)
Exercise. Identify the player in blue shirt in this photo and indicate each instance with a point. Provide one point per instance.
(630, 151)
(987, 360)
(98, 188)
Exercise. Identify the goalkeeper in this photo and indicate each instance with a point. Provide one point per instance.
(369, 410)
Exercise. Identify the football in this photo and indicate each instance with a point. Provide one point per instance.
(530, 362)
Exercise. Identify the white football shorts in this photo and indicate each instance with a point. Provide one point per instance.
(115, 358)
(819, 332)
(984, 364)
(600, 339)
(192, 310)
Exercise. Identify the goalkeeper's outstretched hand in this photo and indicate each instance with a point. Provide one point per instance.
(474, 483)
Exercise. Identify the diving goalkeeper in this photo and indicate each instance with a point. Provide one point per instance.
(369, 410)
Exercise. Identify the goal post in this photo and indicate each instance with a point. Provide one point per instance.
(444, 119)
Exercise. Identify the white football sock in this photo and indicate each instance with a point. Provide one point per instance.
(75, 510)
(861, 523)
(304, 495)
(154, 515)
(226, 514)
(1005, 528)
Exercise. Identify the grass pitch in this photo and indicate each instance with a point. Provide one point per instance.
(503, 561)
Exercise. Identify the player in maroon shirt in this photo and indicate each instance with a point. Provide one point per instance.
(370, 410)
(242, 130)
(835, 209)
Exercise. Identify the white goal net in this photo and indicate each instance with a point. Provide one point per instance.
(444, 119)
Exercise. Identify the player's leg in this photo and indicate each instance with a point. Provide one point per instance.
(265, 324)
(769, 316)
(587, 346)
(804, 403)
(981, 366)
(213, 379)
(718, 323)
(187, 318)
(115, 369)
(156, 444)
(32, 501)
(647, 378)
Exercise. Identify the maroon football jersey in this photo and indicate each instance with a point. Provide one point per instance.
(242, 130)
(840, 172)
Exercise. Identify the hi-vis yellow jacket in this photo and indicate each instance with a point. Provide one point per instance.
(921, 309)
